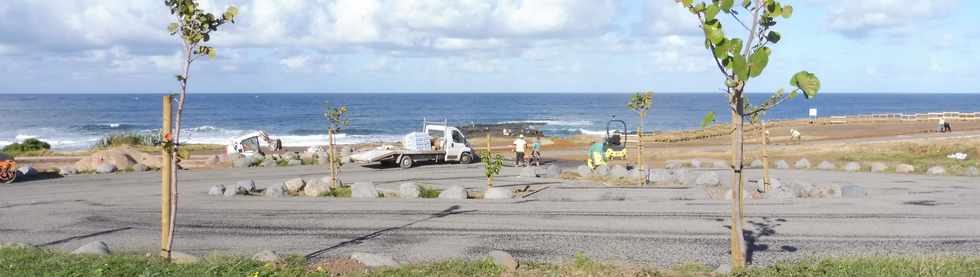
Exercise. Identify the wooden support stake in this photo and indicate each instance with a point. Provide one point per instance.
(166, 171)
(489, 153)
(765, 158)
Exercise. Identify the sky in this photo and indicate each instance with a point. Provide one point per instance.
(122, 46)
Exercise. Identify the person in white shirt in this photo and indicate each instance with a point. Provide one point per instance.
(519, 145)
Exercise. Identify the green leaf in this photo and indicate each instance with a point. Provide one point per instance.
(758, 61)
(740, 67)
(787, 11)
(713, 33)
(172, 27)
(711, 12)
(721, 50)
(773, 36)
(687, 2)
(726, 5)
(212, 53)
(736, 45)
(746, 3)
(807, 82)
(708, 120)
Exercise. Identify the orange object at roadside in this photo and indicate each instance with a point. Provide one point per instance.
(8, 171)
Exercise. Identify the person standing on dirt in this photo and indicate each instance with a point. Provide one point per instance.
(519, 146)
(536, 151)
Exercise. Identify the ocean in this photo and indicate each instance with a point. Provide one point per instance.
(76, 121)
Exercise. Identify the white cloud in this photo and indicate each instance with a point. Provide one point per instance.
(861, 18)
(667, 18)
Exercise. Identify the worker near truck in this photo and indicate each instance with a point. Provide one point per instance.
(519, 146)
(597, 154)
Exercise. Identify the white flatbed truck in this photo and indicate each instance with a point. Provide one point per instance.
(451, 146)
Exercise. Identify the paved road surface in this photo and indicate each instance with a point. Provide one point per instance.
(904, 215)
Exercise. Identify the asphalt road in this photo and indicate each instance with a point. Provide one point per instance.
(903, 215)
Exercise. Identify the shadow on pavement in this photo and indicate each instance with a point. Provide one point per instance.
(99, 233)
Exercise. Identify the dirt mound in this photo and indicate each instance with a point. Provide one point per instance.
(122, 157)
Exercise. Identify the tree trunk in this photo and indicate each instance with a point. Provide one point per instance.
(737, 240)
(333, 161)
(489, 153)
(765, 159)
(639, 148)
(188, 51)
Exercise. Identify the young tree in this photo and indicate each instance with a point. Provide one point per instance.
(193, 26)
(492, 163)
(337, 118)
(640, 103)
(739, 61)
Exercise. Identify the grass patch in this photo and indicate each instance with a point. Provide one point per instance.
(426, 191)
(922, 156)
(128, 139)
(872, 266)
(29, 147)
(339, 192)
(453, 268)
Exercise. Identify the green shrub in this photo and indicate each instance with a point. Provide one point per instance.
(27, 146)
(339, 192)
(128, 139)
(428, 192)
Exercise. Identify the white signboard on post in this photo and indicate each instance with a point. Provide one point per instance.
(813, 112)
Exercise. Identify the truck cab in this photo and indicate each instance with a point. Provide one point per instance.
(452, 141)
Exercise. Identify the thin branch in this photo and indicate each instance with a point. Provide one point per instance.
(740, 21)
(755, 25)
(712, 47)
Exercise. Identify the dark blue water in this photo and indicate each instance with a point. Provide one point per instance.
(75, 121)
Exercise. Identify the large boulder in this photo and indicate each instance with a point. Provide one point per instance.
(246, 185)
(781, 164)
(708, 179)
(602, 171)
(504, 260)
(98, 248)
(294, 162)
(826, 165)
(121, 157)
(316, 188)
(373, 260)
(217, 190)
(498, 193)
(268, 163)
(852, 191)
(552, 171)
(308, 157)
(756, 164)
(276, 190)
(363, 190)
(295, 185)
(802, 164)
(904, 168)
(241, 163)
(662, 178)
(105, 168)
(673, 164)
(695, 163)
(408, 190)
(583, 170)
(936, 170)
(685, 177)
(290, 156)
(454, 192)
(852, 167)
(619, 171)
(878, 167)
(235, 190)
(719, 164)
(140, 168)
(67, 170)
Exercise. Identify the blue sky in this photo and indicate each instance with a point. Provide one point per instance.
(121, 46)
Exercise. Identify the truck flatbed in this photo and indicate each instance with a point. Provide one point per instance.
(378, 155)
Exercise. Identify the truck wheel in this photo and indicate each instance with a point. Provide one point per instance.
(7, 176)
(407, 162)
(466, 158)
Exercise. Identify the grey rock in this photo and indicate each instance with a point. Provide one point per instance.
(781, 164)
(719, 164)
(756, 164)
(504, 260)
(852, 167)
(936, 170)
(802, 164)
(68, 170)
(363, 190)
(294, 162)
(246, 185)
(852, 191)
(408, 190)
(277, 190)
(619, 171)
(140, 168)
(552, 171)
(904, 168)
(308, 157)
(183, 258)
(695, 163)
(661, 177)
(99, 248)
(602, 170)
(290, 156)
(373, 260)
(294, 185)
(241, 163)
(971, 171)
(105, 168)
(528, 172)
(268, 163)
(498, 193)
(27, 171)
(878, 167)
(217, 190)
(583, 170)
(234, 190)
(454, 192)
(316, 188)
(708, 179)
(826, 165)
(267, 256)
(685, 177)
(673, 164)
